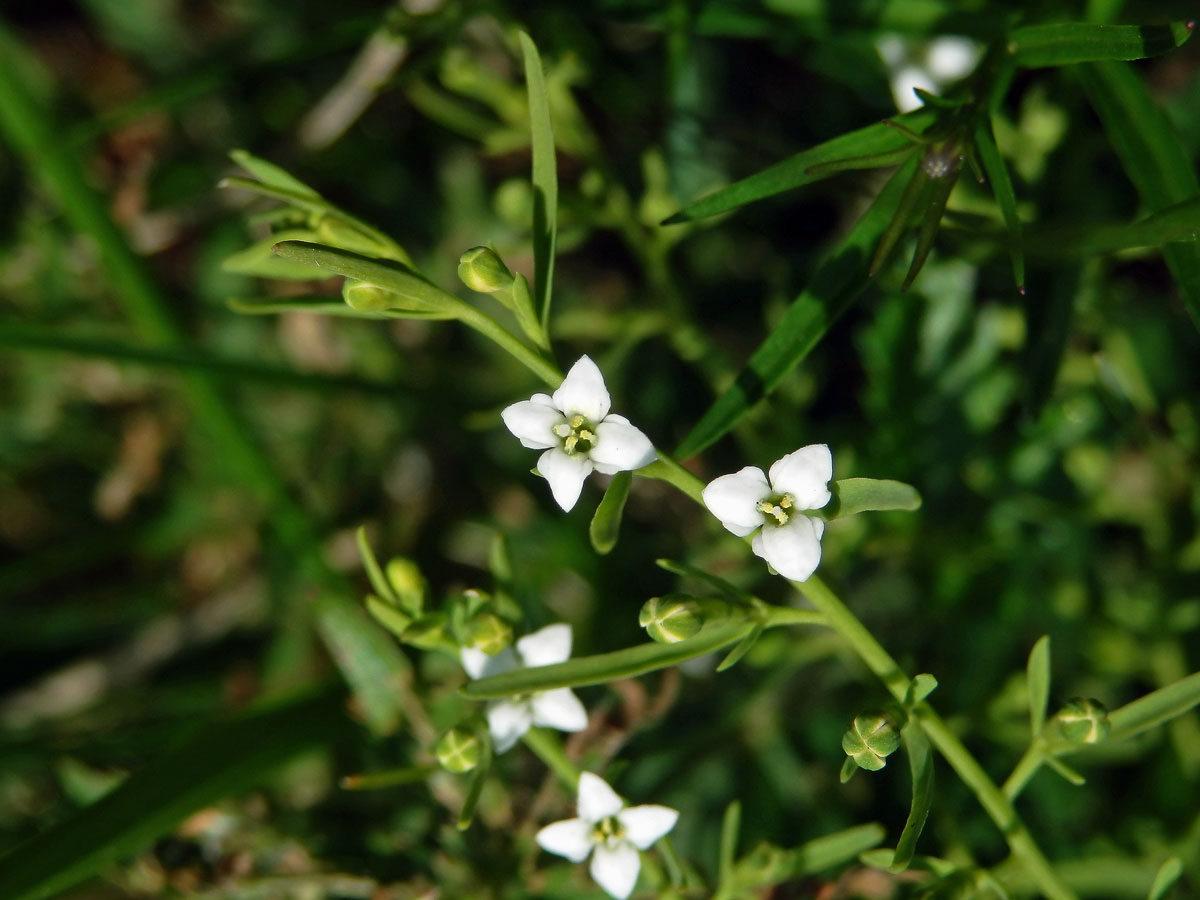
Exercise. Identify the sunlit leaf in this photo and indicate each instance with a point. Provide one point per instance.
(856, 495)
(606, 523)
(1065, 43)
(1166, 876)
(270, 174)
(1037, 679)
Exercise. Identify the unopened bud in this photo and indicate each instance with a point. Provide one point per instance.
(489, 633)
(1083, 720)
(366, 297)
(428, 633)
(872, 737)
(408, 583)
(672, 618)
(481, 269)
(458, 750)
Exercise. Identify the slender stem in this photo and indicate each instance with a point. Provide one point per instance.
(1026, 768)
(666, 469)
(547, 747)
(542, 367)
(789, 615)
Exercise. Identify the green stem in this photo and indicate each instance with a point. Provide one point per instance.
(542, 367)
(666, 469)
(548, 748)
(990, 797)
(1026, 768)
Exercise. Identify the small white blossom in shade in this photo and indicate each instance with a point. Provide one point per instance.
(511, 717)
(772, 510)
(577, 433)
(611, 832)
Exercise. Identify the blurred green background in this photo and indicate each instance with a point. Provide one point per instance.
(180, 483)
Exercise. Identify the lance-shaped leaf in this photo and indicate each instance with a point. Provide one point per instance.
(606, 523)
(220, 760)
(414, 292)
(735, 655)
(270, 174)
(1155, 708)
(1166, 876)
(931, 221)
(835, 285)
(920, 761)
(812, 165)
(545, 178)
(767, 865)
(1002, 189)
(856, 495)
(269, 306)
(374, 572)
(260, 261)
(1066, 43)
(1037, 679)
(606, 666)
(1153, 156)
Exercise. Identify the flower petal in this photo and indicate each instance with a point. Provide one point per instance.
(615, 868)
(571, 838)
(546, 646)
(596, 799)
(794, 549)
(646, 824)
(804, 474)
(565, 474)
(507, 721)
(559, 709)
(583, 392)
(480, 665)
(533, 421)
(733, 499)
(621, 447)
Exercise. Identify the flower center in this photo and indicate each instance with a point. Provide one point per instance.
(776, 510)
(578, 435)
(608, 829)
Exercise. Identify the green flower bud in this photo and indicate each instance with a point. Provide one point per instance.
(458, 750)
(481, 269)
(1083, 720)
(489, 633)
(428, 633)
(366, 297)
(672, 618)
(871, 739)
(408, 583)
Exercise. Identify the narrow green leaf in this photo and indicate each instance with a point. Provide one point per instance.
(388, 616)
(835, 285)
(849, 770)
(731, 592)
(920, 761)
(855, 495)
(417, 293)
(271, 174)
(767, 865)
(736, 654)
(1168, 873)
(369, 658)
(379, 582)
(1063, 770)
(606, 523)
(323, 306)
(1037, 680)
(808, 166)
(731, 826)
(218, 761)
(921, 687)
(478, 777)
(606, 666)
(1155, 708)
(1066, 43)
(259, 261)
(374, 781)
(545, 178)
(1153, 156)
(927, 227)
(1002, 189)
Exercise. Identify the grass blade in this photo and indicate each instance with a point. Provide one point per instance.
(220, 760)
(1037, 677)
(806, 167)
(835, 285)
(606, 666)
(1002, 189)
(545, 179)
(1153, 156)
(1066, 43)
(606, 523)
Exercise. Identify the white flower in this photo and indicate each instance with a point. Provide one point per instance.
(746, 503)
(510, 718)
(611, 832)
(578, 434)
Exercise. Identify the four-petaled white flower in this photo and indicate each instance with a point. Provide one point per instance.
(510, 718)
(746, 502)
(577, 432)
(612, 832)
